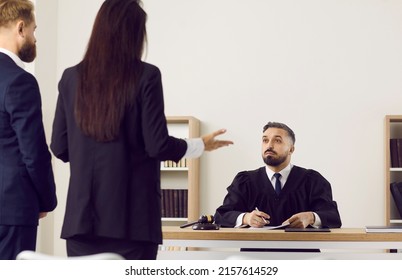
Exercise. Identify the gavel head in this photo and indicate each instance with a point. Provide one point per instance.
(206, 219)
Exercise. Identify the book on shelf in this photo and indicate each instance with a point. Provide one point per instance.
(386, 229)
(163, 211)
(395, 145)
(182, 163)
(174, 203)
(396, 191)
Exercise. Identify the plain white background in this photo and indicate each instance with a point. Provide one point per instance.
(330, 69)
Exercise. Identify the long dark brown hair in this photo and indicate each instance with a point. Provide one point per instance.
(111, 68)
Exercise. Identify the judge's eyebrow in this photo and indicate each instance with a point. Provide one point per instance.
(273, 137)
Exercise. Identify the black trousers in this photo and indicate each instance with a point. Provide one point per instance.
(15, 239)
(82, 245)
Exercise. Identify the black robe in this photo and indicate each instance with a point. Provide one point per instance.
(304, 190)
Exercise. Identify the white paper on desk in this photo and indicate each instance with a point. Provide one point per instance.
(270, 227)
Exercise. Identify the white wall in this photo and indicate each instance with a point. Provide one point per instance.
(45, 65)
(329, 69)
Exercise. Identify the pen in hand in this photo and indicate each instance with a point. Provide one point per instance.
(265, 221)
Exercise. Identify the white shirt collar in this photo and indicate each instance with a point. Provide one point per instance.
(284, 172)
(14, 57)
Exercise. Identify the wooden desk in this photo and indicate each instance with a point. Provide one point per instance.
(348, 239)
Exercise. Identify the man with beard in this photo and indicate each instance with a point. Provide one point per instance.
(279, 192)
(27, 188)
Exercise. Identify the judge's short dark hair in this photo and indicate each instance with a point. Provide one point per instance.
(281, 126)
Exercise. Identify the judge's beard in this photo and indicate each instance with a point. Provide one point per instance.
(270, 161)
(27, 53)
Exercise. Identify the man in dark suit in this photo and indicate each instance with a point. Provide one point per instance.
(27, 188)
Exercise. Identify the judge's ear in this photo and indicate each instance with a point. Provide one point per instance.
(292, 149)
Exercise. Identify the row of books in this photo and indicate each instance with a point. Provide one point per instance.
(396, 152)
(172, 164)
(174, 203)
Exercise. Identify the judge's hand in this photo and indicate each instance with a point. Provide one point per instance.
(42, 215)
(301, 220)
(211, 143)
(256, 219)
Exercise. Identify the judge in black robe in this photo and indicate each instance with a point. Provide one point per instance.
(304, 199)
(305, 190)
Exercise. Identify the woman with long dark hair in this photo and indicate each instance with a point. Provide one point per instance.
(111, 127)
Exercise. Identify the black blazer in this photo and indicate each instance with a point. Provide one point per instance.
(114, 188)
(26, 178)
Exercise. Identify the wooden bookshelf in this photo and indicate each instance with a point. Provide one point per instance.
(184, 175)
(393, 129)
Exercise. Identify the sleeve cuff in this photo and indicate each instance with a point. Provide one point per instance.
(195, 148)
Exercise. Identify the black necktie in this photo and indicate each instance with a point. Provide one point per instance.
(278, 186)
